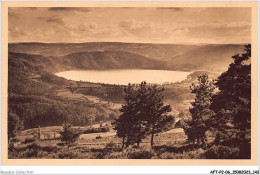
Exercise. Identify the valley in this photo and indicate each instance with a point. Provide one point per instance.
(44, 98)
(34, 88)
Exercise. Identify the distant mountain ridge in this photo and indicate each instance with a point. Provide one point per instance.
(111, 60)
(85, 61)
(112, 55)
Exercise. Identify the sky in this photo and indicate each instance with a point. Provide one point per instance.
(130, 24)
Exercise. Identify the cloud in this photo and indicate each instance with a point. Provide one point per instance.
(211, 31)
(31, 8)
(173, 9)
(125, 24)
(81, 29)
(136, 28)
(84, 28)
(16, 32)
(66, 9)
(12, 14)
(130, 24)
(92, 26)
(61, 9)
(52, 20)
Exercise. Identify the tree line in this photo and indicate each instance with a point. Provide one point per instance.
(222, 107)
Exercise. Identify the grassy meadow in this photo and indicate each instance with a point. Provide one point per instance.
(169, 145)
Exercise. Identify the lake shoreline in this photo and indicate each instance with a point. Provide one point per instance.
(125, 76)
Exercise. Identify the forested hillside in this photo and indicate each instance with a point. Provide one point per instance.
(33, 95)
(176, 56)
(111, 60)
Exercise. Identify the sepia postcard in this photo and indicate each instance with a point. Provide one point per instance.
(129, 83)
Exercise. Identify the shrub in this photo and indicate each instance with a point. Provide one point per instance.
(61, 144)
(116, 155)
(15, 125)
(167, 155)
(30, 151)
(67, 155)
(111, 146)
(105, 129)
(245, 151)
(140, 154)
(28, 140)
(190, 154)
(14, 140)
(221, 152)
(113, 115)
(70, 154)
(11, 146)
(49, 148)
(33, 150)
(179, 124)
(96, 130)
(33, 146)
(98, 137)
(69, 135)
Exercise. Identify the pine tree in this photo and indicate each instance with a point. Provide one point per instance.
(189, 130)
(143, 114)
(232, 103)
(125, 123)
(15, 125)
(142, 111)
(157, 118)
(69, 135)
(201, 114)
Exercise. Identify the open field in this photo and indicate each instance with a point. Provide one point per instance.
(171, 144)
(91, 137)
(168, 145)
(88, 146)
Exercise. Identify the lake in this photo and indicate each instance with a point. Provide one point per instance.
(124, 76)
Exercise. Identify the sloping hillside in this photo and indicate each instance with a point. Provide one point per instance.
(33, 94)
(174, 56)
(209, 57)
(62, 49)
(111, 60)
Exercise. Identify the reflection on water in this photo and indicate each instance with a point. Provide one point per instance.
(125, 76)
